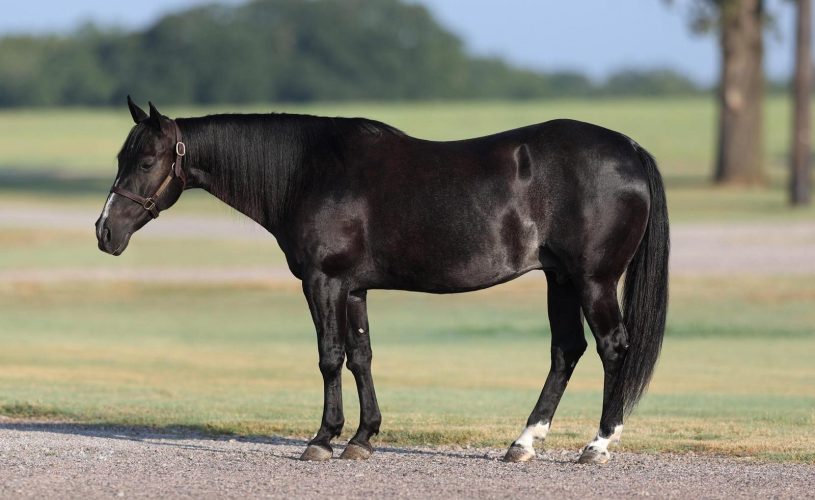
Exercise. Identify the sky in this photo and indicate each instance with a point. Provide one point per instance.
(595, 37)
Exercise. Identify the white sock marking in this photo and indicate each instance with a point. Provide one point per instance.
(531, 434)
(601, 443)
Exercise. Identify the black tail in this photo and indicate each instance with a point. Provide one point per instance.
(645, 295)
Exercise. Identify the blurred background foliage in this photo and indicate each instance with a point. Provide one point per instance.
(286, 51)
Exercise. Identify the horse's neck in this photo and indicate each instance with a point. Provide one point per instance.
(199, 178)
(236, 179)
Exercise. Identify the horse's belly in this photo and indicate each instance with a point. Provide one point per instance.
(460, 260)
(461, 279)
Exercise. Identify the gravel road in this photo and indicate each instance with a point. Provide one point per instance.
(707, 249)
(76, 461)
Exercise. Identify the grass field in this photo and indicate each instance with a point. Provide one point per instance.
(450, 370)
(736, 375)
(68, 154)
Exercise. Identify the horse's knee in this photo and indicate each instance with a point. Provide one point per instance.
(331, 364)
(359, 360)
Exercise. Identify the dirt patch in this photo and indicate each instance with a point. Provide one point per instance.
(760, 248)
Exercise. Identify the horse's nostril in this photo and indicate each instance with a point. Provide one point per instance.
(106, 235)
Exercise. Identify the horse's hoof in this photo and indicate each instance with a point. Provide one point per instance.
(316, 453)
(517, 453)
(593, 455)
(356, 451)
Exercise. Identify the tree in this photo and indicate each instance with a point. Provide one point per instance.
(741, 93)
(800, 181)
(738, 23)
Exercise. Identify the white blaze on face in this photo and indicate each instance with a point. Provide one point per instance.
(106, 210)
(531, 434)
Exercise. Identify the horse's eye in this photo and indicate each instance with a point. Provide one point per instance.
(147, 165)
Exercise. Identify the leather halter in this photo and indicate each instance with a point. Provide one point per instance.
(176, 170)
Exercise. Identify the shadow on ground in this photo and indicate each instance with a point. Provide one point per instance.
(180, 436)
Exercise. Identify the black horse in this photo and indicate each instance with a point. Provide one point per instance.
(357, 205)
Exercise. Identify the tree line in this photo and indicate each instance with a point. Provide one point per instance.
(293, 50)
(286, 50)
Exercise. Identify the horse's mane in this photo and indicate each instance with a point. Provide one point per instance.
(137, 140)
(258, 162)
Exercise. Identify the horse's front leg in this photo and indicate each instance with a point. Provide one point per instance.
(358, 347)
(327, 300)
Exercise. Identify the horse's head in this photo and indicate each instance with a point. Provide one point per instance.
(150, 178)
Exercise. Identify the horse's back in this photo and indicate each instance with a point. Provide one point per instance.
(552, 158)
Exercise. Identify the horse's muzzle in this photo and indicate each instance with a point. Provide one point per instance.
(108, 239)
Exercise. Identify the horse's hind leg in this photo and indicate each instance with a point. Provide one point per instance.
(599, 299)
(358, 347)
(568, 344)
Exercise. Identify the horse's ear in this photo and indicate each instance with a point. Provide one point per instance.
(136, 112)
(155, 117)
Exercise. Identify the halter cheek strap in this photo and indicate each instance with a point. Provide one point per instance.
(176, 170)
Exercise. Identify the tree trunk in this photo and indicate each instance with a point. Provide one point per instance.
(741, 94)
(800, 184)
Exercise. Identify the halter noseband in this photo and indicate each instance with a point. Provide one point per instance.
(176, 170)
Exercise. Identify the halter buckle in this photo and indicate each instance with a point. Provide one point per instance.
(180, 148)
(149, 204)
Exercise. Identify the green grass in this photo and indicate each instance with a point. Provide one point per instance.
(679, 131)
(450, 370)
(67, 155)
(44, 249)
